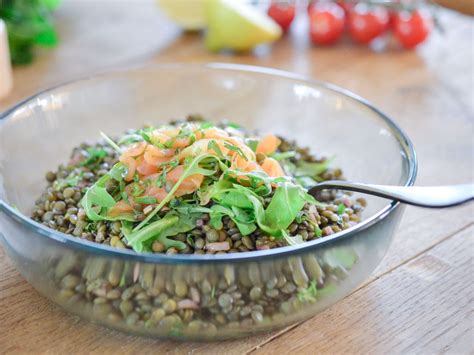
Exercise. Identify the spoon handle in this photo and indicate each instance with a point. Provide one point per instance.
(435, 196)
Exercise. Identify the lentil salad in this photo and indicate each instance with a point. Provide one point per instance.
(194, 187)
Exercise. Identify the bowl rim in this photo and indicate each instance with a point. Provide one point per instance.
(405, 143)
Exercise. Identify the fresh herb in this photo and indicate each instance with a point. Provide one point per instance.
(124, 197)
(288, 200)
(252, 143)
(233, 125)
(170, 225)
(212, 145)
(97, 200)
(136, 177)
(145, 133)
(283, 155)
(161, 179)
(176, 330)
(317, 231)
(147, 200)
(306, 181)
(29, 24)
(305, 168)
(206, 125)
(245, 207)
(93, 156)
(308, 294)
(236, 149)
(292, 240)
(111, 143)
(71, 180)
(213, 292)
(130, 138)
(341, 208)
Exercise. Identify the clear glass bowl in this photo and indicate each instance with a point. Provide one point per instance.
(143, 294)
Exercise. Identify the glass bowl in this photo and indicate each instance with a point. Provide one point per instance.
(236, 294)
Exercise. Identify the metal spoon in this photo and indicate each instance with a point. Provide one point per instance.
(435, 196)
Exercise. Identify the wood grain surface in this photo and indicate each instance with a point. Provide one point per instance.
(419, 300)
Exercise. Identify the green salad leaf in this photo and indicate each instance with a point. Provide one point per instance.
(243, 220)
(97, 200)
(283, 155)
(245, 207)
(287, 201)
(304, 168)
(170, 225)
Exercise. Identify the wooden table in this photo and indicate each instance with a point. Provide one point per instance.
(420, 299)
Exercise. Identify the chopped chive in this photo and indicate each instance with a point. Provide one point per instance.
(111, 142)
(215, 147)
(235, 149)
(147, 200)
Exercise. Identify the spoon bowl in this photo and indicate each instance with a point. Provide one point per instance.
(422, 196)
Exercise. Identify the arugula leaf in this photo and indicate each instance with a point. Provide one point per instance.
(252, 143)
(304, 168)
(283, 155)
(212, 145)
(306, 181)
(236, 149)
(136, 239)
(288, 200)
(215, 189)
(242, 219)
(97, 201)
(170, 225)
(235, 198)
(297, 239)
(239, 202)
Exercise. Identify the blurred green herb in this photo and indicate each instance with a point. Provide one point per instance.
(308, 294)
(341, 208)
(93, 156)
(28, 24)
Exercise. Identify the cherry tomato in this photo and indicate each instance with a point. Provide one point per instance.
(283, 12)
(411, 29)
(367, 22)
(347, 6)
(326, 22)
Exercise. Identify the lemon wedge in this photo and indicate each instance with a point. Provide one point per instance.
(189, 14)
(237, 25)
